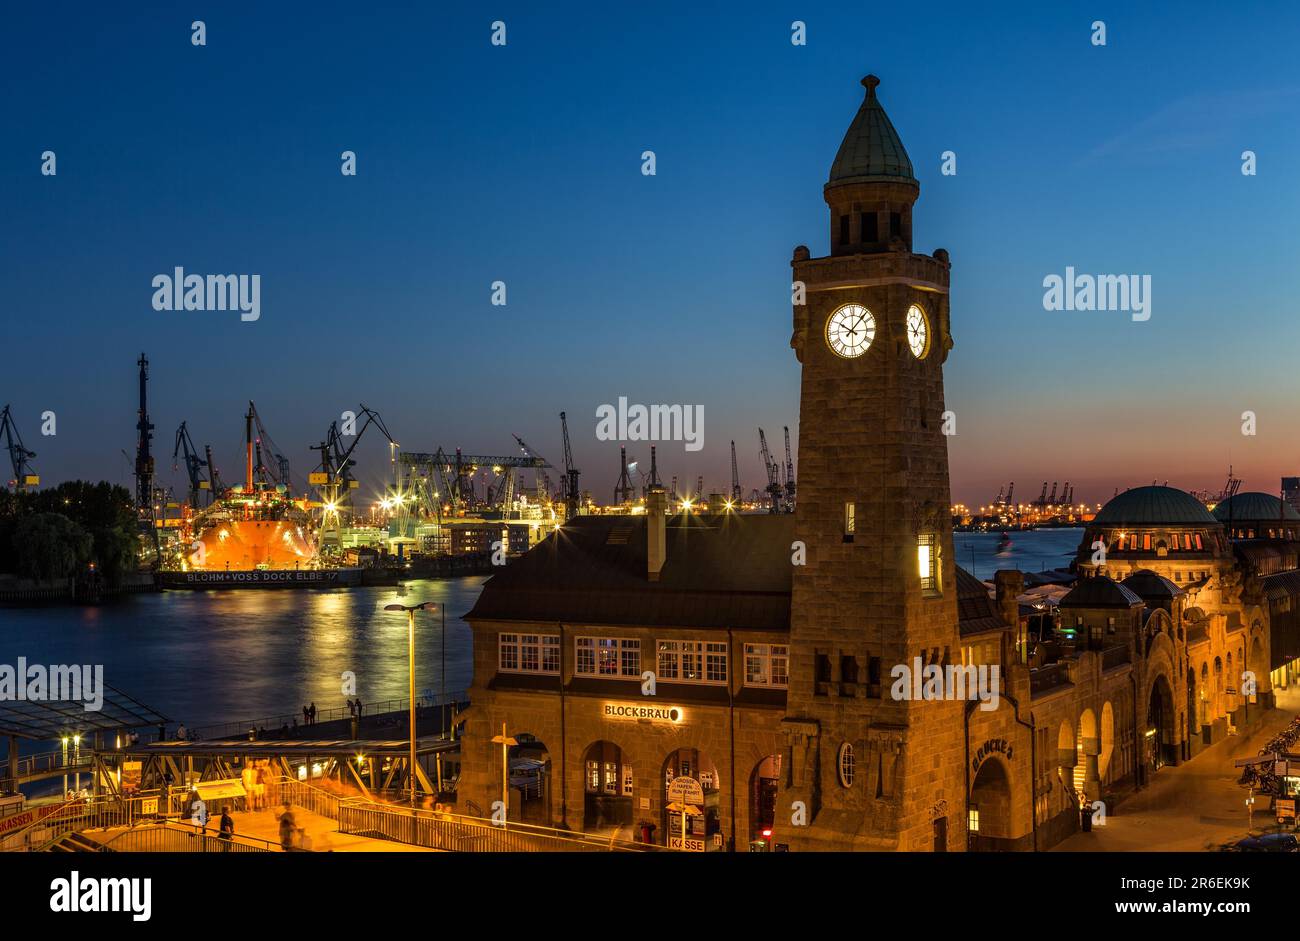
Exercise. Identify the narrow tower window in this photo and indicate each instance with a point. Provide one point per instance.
(869, 230)
(844, 230)
(927, 563)
(850, 521)
(895, 224)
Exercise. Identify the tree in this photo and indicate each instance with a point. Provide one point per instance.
(50, 546)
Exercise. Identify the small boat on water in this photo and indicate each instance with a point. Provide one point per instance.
(1004, 544)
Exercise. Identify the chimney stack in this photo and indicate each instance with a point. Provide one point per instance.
(656, 525)
(1008, 585)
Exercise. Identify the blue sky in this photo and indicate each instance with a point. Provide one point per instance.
(522, 164)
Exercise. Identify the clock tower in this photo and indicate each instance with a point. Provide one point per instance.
(868, 767)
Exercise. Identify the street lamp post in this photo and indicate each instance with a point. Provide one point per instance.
(410, 653)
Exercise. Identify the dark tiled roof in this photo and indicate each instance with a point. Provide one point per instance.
(1255, 507)
(1282, 585)
(1149, 586)
(1154, 505)
(1099, 592)
(975, 609)
(721, 571)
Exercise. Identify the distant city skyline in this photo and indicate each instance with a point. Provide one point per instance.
(479, 164)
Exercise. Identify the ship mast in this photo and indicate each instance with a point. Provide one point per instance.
(248, 450)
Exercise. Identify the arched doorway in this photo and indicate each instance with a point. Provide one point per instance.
(989, 818)
(703, 826)
(1107, 752)
(530, 780)
(1159, 732)
(763, 785)
(607, 787)
(1085, 767)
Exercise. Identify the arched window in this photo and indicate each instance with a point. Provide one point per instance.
(846, 765)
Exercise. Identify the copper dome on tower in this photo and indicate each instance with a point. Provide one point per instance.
(871, 150)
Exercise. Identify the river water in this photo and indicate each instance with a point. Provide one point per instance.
(202, 657)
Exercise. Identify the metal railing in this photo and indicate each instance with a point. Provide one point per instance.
(328, 714)
(178, 838)
(1113, 657)
(457, 834)
(309, 797)
(48, 761)
(53, 822)
(1047, 677)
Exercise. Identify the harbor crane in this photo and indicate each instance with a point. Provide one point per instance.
(19, 455)
(789, 470)
(623, 490)
(774, 488)
(653, 482)
(543, 480)
(572, 496)
(735, 477)
(333, 476)
(455, 474)
(193, 466)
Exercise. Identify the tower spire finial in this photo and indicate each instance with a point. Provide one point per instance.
(870, 83)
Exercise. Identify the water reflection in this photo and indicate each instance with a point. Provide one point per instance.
(204, 657)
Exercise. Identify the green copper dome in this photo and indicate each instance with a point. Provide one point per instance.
(1254, 506)
(871, 151)
(1154, 505)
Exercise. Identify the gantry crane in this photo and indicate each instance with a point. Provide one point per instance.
(774, 489)
(193, 466)
(542, 479)
(572, 496)
(789, 472)
(735, 477)
(19, 455)
(623, 490)
(333, 477)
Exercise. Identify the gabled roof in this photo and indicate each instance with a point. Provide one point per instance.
(723, 571)
(871, 150)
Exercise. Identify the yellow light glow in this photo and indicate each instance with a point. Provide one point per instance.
(923, 559)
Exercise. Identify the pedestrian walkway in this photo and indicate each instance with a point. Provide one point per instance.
(1193, 807)
(265, 825)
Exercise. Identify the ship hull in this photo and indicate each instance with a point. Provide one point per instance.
(260, 578)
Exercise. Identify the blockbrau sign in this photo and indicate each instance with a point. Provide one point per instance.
(628, 710)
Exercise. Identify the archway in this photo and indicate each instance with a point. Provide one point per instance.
(1107, 751)
(530, 780)
(989, 819)
(1067, 759)
(763, 785)
(1086, 781)
(607, 787)
(1159, 733)
(703, 829)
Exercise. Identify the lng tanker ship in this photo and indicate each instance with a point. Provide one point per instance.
(255, 536)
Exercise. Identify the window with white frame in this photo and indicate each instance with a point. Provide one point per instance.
(616, 657)
(692, 661)
(528, 653)
(767, 665)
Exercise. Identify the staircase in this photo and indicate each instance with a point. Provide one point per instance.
(75, 843)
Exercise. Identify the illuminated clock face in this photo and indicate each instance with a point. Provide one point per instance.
(850, 330)
(918, 331)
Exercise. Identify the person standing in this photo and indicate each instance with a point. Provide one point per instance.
(227, 829)
(287, 827)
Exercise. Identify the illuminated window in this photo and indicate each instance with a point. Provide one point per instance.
(692, 661)
(1198, 542)
(608, 656)
(850, 519)
(846, 765)
(928, 563)
(973, 820)
(767, 665)
(528, 653)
